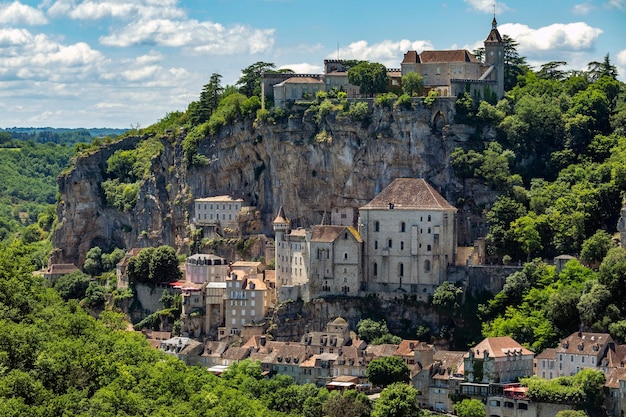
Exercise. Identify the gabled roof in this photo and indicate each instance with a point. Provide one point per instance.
(219, 199)
(406, 348)
(409, 193)
(331, 233)
(584, 343)
(614, 377)
(61, 269)
(549, 353)
(499, 347)
(301, 80)
(459, 55)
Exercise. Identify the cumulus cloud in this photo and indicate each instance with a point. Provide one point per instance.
(121, 9)
(565, 37)
(388, 53)
(18, 13)
(303, 68)
(621, 57)
(163, 23)
(487, 6)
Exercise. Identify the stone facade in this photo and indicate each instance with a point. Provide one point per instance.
(409, 235)
(201, 268)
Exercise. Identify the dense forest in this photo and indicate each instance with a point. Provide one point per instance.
(557, 163)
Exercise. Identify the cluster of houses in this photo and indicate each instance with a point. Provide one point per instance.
(489, 371)
(448, 72)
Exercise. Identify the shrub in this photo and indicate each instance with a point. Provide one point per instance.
(359, 111)
(385, 100)
(404, 102)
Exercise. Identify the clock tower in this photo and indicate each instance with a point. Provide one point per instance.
(494, 56)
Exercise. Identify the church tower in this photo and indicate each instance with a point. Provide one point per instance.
(494, 56)
(281, 247)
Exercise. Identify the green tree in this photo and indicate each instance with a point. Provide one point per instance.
(470, 408)
(164, 265)
(412, 84)
(595, 248)
(525, 233)
(369, 330)
(350, 403)
(514, 64)
(387, 370)
(251, 78)
(397, 400)
(139, 266)
(93, 261)
(370, 77)
(447, 297)
(597, 70)
(72, 286)
(552, 70)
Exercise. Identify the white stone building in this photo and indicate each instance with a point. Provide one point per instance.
(410, 238)
(217, 211)
(201, 268)
(292, 255)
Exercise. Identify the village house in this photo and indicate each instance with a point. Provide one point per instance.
(201, 268)
(55, 271)
(184, 348)
(578, 351)
(245, 302)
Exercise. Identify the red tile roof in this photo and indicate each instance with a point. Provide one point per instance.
(409, 193)
(459, 55)
(498, 347)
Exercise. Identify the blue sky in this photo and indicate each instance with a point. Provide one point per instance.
(116, 63)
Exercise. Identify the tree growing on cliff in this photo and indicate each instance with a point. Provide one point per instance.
(252, 76)
(370, 77)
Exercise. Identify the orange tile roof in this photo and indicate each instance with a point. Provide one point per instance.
(497, 347)
(458, 55)
(409, 193)
(331, 233)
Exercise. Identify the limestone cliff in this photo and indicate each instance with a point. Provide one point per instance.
(306, 166)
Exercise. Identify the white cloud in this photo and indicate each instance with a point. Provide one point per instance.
(618, 4)
(303, 68)
(18, 13)
(621, 57)
(388, 53)
(566, 37)
(582, 9)
(195, 36)
(487, 6)
(121, 9)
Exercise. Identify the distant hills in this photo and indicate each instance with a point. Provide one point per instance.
(61, 135)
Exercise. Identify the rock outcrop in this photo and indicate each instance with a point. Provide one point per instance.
(306, 166)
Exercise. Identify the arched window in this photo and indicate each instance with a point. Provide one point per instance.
(345, 256)
(429, 230)
(375, 244)
(427, 266)
(402, 227)
(376, 226)
(428, 217)
(402, 245)
(428, 248)
(375, 269)
(390, 243)
(401, 269)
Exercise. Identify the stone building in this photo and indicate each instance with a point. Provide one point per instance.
(457, 71)
(336, 260)
(292, 260)
(244, 303)
(409, 235)
(217, 212)
(201, 268)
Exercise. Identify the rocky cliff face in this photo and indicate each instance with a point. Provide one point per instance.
(308, 168)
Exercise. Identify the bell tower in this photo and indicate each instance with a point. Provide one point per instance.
(494, 56)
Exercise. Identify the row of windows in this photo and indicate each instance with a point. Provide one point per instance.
(400, 268)
(571, 359)
(242, 303)
(217, 206)
(402, 225)
(390, 246)
(243, 313)
(217, 216)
